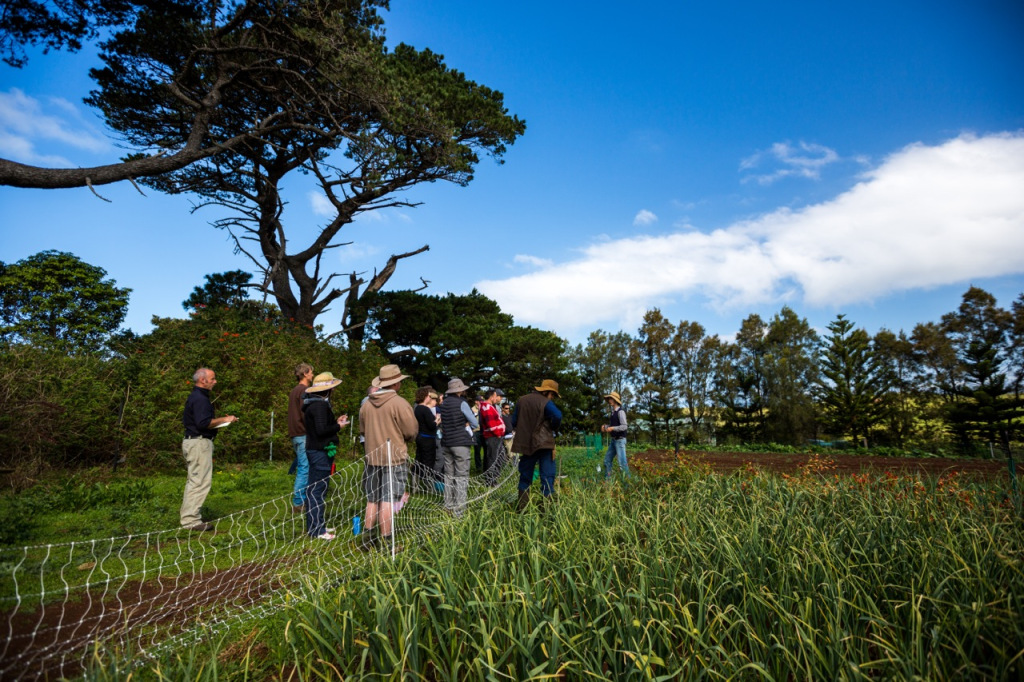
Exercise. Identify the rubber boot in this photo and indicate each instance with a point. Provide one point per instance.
(524, 501)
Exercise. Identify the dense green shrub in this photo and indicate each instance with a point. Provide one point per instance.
(58, 410)
(56, 407)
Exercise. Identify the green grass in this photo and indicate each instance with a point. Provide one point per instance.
(133, 521)
(687, 576)
(97, 504)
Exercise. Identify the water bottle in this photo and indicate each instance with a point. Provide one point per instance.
(356, 525)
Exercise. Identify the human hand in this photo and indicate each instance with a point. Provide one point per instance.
(343, 420)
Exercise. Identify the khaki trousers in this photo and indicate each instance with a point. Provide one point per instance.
(198, 454)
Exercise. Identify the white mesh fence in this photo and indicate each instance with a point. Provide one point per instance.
(148, 591)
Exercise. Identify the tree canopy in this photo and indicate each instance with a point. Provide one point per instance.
(366, 122)
(179, 73)
(222, 288)
(853, 388)
(435, 338)
(53, 297)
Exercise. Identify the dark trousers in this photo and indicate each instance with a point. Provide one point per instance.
(493, 461)
(319, 479)
(425, 467)
(478, 445)
(545, 459)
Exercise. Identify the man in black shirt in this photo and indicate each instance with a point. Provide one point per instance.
(197, 447)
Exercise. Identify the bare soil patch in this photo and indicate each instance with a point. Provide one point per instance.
(48, 642)
(843, 464)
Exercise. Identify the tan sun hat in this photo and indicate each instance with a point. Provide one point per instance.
(548, 385)
(389, 374)
(456, 386)
(614, 395)
(324, 381)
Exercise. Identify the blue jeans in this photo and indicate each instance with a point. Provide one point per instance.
(616, 448)
(319, 478)
(548, 470)
(301, 470)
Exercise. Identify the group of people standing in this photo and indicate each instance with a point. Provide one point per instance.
(442, 428)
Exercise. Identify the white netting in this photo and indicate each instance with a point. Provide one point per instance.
(143, 592)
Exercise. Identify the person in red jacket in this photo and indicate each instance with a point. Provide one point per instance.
(492, 430)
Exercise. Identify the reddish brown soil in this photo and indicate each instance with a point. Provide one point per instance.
(836, 463)
(48, 642)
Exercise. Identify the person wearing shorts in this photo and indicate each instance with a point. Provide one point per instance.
(384, 484)
(387, 423)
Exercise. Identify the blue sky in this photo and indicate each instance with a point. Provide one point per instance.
(710, 159)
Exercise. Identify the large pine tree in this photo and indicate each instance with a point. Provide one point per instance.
(853, 389)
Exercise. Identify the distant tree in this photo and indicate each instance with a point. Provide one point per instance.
(853, 389)
(605, 362)
(534, 355)
(1016, 352)
(740, 382)
(978, 332)
(696, 358)
(53, 297)
(223, 288)
(897, 367)
(435, 338)
(790, 371)
(603, 365)
(657, 388)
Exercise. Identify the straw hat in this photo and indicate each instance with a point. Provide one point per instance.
(324, 381)
(389, 375)
(614, 395)
(456, 386)
(548, 385)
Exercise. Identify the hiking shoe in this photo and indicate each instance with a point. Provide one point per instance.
(299, 508)
(201, 527)
(325, 536)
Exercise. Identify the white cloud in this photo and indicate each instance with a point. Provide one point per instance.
(353, 253)
(644, 218)
(533, 260)
(25, 122)
(805, 160)
(926, 217)
(320, 205)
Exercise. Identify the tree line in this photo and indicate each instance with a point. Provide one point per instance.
(75, 388)
(956, 381)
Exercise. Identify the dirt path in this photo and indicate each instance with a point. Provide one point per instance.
(841, 463)
(50, 641)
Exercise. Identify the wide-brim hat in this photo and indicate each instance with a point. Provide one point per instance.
(548, 385)
(614, 395)
(456, 386)
(324, 381)
(389, 375)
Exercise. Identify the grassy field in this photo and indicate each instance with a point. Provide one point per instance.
(683, 575)
(96, 503)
